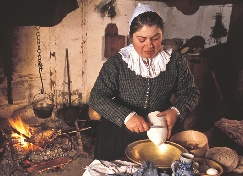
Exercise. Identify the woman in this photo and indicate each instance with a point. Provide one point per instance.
(136, 81)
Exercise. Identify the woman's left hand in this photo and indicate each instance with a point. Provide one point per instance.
(171, 118)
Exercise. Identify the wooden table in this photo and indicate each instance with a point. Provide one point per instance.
(216, 138)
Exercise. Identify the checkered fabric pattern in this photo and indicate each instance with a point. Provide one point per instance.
(118, 91)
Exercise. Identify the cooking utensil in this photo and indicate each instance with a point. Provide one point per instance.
(157, 126)
(162, 156)
(70, 113)
(42, 109)
(60, 132)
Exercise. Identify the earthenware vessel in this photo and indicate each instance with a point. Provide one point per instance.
(184, 166)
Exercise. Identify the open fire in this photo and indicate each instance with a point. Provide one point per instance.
(24, 130)
(45, 146)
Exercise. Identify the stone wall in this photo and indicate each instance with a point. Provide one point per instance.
(82, 33)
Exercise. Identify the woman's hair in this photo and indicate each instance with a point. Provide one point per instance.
(146, 19)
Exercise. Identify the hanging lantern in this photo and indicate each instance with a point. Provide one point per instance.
(218, 31)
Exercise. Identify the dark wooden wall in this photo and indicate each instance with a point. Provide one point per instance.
(235, 34)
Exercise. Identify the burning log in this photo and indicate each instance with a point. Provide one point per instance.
(51, 164)
(16, 131)
(21, 131)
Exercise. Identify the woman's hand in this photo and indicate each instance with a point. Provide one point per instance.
(137, 124)
(171, 118)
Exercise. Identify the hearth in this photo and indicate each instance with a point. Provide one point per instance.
(31, 149)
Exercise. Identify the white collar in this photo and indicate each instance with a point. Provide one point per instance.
(136, 63)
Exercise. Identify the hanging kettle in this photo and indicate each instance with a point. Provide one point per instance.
(43, 109)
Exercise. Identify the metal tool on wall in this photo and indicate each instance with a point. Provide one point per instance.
(70, 113)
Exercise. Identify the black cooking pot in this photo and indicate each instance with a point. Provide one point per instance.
(43, 110)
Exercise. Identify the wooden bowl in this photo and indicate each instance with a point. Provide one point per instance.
(194, 141)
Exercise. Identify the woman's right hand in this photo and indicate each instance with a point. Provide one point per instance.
(137, 124)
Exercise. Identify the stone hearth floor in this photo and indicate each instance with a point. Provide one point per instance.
(74, 168)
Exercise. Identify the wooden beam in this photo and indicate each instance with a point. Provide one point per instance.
(172, 3)
(218, 2)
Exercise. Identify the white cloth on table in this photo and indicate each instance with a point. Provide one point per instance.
(102, 168)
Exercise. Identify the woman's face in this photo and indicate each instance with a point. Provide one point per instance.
(147, 41)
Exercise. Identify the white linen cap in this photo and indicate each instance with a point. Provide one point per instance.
(140, 9)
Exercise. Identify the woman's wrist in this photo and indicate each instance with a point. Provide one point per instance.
(177, 111)
(129, 116)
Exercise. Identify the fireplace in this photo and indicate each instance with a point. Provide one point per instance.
(48, 146)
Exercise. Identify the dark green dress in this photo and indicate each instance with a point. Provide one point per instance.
(118, 91)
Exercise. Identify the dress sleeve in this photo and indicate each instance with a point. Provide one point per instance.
(104, 91)
(185, 90)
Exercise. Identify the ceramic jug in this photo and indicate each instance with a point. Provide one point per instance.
(184, 166)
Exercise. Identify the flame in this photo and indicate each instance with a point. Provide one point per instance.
(23, 128)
